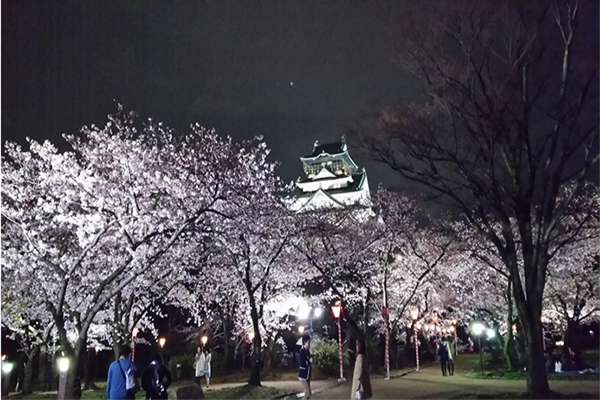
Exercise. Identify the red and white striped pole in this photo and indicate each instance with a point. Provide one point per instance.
(417, 345)
(387, 350)
(340, 348)
(134, 334)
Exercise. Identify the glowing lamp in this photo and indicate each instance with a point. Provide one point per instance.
(477, 329)
(63, 364)
(414, 314)
(490, 333)
(161, 342)
(318, 312)
(204, 340)
(7, 367)
(337, 309)
(301, 329)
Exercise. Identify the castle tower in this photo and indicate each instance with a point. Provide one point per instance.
(332, 180)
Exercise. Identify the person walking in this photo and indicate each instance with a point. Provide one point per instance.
(361, 383)
(116, 388)
(450, 350)
(443, 355)
(304, 367)
(153, 379)
(207, 359)
(200, 361)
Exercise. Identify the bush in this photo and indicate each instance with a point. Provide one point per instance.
(188, 367)
(326, 358)
(217, 364)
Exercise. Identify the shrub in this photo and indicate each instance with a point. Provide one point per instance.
(188, 367)
(218, 366)
(326, 357)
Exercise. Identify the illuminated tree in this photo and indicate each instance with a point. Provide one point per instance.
(509, 123)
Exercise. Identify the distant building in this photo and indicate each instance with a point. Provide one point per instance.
(332, 180)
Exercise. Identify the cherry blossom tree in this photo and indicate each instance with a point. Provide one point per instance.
(508, 123)
(81, 226)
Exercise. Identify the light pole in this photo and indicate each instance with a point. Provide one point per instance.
(337, 313)
(63, 367)
(387, 258)
(6, 370)
(415, 314)
(134, 334)
(477, 331)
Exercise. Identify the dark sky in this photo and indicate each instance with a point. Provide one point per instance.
(292, 71)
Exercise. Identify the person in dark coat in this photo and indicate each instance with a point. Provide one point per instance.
(443, 355)
(304, 366)
(156, 379)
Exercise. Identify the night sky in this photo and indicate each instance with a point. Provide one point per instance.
(292, 71)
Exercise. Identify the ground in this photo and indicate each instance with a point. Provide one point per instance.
(428, 383)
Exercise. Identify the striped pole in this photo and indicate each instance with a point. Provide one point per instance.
(417, 346)
(340, 347)
(387, 350)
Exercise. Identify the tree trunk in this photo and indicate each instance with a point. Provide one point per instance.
(72, 376)
(26, 384)
(257, 342)
(537, 379)
(226, 343)
(508, 343)
(569, 334)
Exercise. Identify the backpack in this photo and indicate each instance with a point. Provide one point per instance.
(131, 383)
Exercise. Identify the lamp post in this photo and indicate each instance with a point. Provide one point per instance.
(63, 367)
(6, 370)
(415, 314)
(387, 258)
(134, 334)
(477, 331)
(337, 313)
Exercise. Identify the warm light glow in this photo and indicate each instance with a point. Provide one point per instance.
(251, 335)
(161, 342)
(301, 329)
(490, 333)
(451, 329)
(414, 314)
(7, 367)
(135, 331)
(204, 340)
(337, 309)
(63, 364)
(3, 357)
(514, 327)
(477, 329)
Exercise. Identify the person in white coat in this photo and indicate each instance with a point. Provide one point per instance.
(200, 361)
(207, 359)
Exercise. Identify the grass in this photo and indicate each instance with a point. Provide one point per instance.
(244, 392)
(86, 394)
(522, 396)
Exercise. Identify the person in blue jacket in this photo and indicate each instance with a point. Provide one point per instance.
(115, 384)
(304, 369)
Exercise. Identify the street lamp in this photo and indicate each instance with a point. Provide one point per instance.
(63, 367)
(161, 342)
(387, 258)
(6, 370)
(301, 329)
(477, 330)
(204, 340)
(337, 313)
(414, 315)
